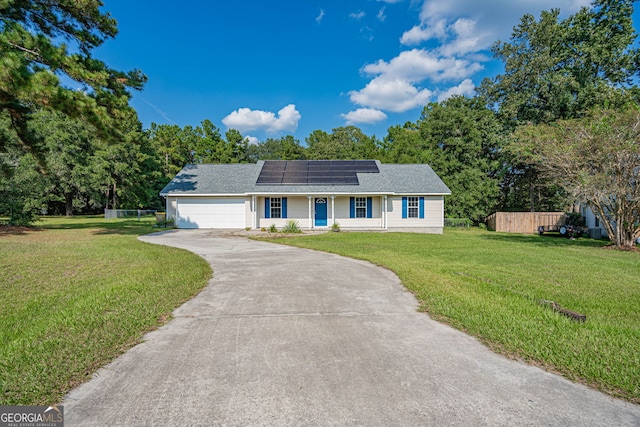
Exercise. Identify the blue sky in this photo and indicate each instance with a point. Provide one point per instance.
(289, 67)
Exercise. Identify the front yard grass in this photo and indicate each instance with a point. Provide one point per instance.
(489, 284)
(75, 293)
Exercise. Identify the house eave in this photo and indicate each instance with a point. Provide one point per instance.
(421, 194)
(301, 193)
(306, 193)
(203, 194)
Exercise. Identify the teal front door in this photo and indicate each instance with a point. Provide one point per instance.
(321, 212)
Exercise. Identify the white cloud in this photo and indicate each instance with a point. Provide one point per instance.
(395, 85)
(366, 33)
(252, 140)
(418, 64)
(357, 16)
(320, 16)
(245, 119)
(390, 94)
(460, 33)
(466, 88)
(459, 37)
(381, 16)
(364, 115)
(466, 39)
(492, 20)
(419, 33)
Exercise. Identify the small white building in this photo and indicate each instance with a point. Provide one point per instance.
(596, 230)
(356, 194)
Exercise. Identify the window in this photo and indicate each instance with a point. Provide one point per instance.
(413, 207)
(276, 207)
(361, 207)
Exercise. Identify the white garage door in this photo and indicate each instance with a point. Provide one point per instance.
(211, 213)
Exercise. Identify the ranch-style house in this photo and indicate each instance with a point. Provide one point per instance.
(355, 194)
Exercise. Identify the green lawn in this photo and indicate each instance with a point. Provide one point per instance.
(489, 284)
(75, 293)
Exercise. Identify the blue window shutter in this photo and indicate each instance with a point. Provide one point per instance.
(284, 207)
(352, 205)
(369, 207)
(267, 207)
(421, 207)
(404, 207)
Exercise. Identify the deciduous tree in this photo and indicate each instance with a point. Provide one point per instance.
(403, 144)
(462, 139)
(67, 151)
(345, 142)
(597, 159)
(284, 148)
(560, 69)
(557, 69)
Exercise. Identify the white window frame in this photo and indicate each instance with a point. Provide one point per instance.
(276, 207)
(361, 207)
(413, 207)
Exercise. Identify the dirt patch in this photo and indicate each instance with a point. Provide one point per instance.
(621, 248)
(8, 230)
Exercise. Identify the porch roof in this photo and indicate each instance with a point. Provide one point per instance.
(240, 179)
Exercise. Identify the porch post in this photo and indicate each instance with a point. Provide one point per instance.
(333, 210)
(384, 212)
(310, 213)
(254, 213)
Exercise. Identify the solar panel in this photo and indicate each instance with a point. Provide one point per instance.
(269, 179)
(314, 172)
(366, 166)
(295, 166)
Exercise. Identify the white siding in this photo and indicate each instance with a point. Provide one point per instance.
(433, 214)
(297, 209)
(171, 207)
(597, 231)
(343, 213)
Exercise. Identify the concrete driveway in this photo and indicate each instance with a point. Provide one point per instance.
(286, 336)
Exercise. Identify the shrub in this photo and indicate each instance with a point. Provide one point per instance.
(273, 229)
(335, 227)
(458, 222)
(574, 219)
(292, 227)
(168, 223)
(22, 218)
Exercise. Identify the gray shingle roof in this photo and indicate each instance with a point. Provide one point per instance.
(240, 179)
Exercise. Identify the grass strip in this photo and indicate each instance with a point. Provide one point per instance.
(489, 284)
(76, 293)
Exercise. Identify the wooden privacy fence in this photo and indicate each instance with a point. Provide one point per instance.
(523, 222)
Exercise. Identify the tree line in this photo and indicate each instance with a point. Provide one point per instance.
(459, 138)
(557, 126)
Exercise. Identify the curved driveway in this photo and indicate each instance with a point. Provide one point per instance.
(286, 336)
